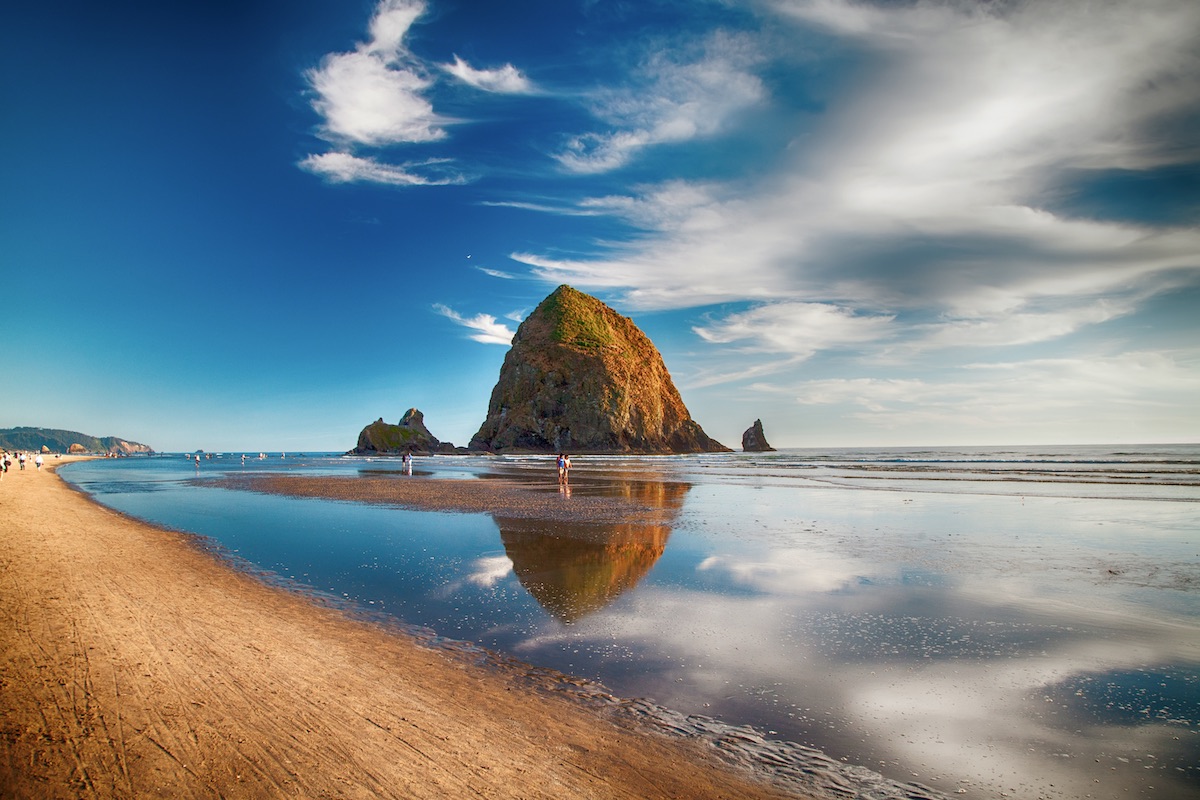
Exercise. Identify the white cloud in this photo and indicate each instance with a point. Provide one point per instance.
(924, 184)
(797, 328)
(1032, 82)
(364, 101)
(717, 372)
(389, 26)
(1015, 328)
(374, 95)
(1110, 398)
(676, 100)
(495, 273)
(560, 209)
(487, 329)
(504, 80)
(339, 167)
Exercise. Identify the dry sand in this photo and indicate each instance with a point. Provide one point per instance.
(135, 664)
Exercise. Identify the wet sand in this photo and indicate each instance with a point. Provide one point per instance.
(501, 497)
(135, 664)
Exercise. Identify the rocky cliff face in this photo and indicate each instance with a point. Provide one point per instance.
(582, 378)
(409, 436)
(754, 440)
(121, 446)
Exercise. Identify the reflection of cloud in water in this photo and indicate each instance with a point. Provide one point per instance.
(967, 694)
(977, 720)
(793, 572)
(490, 570)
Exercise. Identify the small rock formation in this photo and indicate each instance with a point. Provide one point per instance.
(754, 440)
(581, 378)
(409, 436)
(77, 448)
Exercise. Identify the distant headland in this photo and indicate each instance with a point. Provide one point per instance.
(53, 440)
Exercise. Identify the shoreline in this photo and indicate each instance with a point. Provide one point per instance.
(138, 664)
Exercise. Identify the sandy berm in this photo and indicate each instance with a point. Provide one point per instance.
(134, 663)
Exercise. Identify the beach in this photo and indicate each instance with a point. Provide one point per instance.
(884, 623)
(136, 664)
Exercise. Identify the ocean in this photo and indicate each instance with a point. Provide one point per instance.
(980, 621)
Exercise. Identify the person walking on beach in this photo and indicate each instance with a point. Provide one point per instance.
(406, 461)
(37, 462)
(562, 468)
(21, 459)
(566, 470)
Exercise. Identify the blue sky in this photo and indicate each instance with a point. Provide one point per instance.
(262, 225)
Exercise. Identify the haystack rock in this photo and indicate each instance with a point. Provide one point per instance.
(409, 436)
(581, 378)
(754, 440)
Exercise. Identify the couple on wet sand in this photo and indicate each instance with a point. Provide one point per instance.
(564, 468)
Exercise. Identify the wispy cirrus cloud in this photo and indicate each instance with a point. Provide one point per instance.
(502, 80)
(932, 185)
(338, 167)
(675, 97)
(798, 328)
(1014, 329)
(496, 273)
(488, 330)
(1120, 395)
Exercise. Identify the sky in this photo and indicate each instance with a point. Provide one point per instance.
(263, 224)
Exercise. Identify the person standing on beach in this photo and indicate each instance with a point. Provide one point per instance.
(566, 470)
(562, 468)
(21, 459)
(406, 460)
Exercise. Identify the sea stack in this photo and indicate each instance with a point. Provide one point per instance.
(581, 378)
(754, 440)
(409, 436)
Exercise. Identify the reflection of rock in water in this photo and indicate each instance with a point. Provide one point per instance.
(575, 569)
